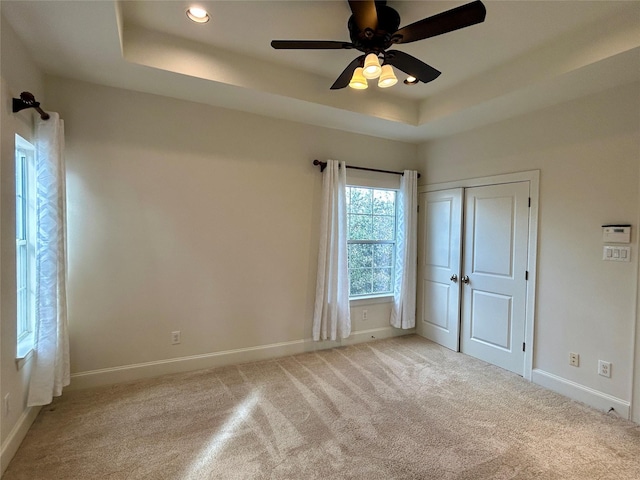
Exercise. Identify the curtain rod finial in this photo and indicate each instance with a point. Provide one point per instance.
(27, 100)
(323, 165)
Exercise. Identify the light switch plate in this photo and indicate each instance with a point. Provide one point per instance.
(612, 253)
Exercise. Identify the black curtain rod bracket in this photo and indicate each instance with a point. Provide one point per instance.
(323, 165)
(27, 100)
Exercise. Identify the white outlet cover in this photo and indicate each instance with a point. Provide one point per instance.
(604, 368)
(574, 359)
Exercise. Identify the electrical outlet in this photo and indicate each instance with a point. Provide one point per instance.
(175, 337)
(604, 368)
(365, 314)
(574, 359)
(6, 406)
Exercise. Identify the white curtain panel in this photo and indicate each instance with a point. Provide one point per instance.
(332, 318)
(403, 314)
(50, 370)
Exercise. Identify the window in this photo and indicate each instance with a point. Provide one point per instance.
(371, 217)
(25, 222)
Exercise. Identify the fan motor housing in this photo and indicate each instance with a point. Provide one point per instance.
(378, 40)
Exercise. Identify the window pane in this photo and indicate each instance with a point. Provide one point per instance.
(360, 256)
(19, 177)
(371, 219)
(21, 267)
(20, 197)
(382, 280)
(383, 255)
(361, 200)
(383, 228)
(21, 286)
(24, 209)
(360, 227)
(384, 202)
(20, 231)
(21, 316)
(360, 281)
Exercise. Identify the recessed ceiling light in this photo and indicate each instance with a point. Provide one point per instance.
(197, 14)
(411, 80)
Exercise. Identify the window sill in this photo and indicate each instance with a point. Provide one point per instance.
(370, 300)
(22, 359)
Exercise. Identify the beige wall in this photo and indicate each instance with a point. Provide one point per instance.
(587, 152)
(193, 218)
(635, 411)
(19, 74)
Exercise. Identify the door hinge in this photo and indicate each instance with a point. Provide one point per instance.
(418, 208)
(526, 275)
(523, 346)
(529, 202)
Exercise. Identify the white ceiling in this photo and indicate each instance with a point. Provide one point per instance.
(526, 55)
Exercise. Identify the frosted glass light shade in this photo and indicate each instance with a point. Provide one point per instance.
(357, 80)
(372, 67)
(387, 77)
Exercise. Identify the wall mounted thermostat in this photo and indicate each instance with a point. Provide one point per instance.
(616, 233)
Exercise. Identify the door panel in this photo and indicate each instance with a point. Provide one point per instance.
(491, 319)
(440, 240)
(492, 243)
(495, 261)
(436, 304)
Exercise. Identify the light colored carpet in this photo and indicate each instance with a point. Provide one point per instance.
(401, 408)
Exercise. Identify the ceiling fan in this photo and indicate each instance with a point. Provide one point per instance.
(373, 28)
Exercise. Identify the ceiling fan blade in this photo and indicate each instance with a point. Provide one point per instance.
(345, 77)
(411, 66)
(454, 19)
(364, 14)
(309, 45)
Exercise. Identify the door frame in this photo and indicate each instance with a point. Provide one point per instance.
(533, 177)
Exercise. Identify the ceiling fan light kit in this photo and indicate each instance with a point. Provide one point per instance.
(373, 29)
(387, 77)
(358, 81)
(372, 68)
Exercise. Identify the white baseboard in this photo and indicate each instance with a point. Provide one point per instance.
(19, 431)
(126, 373)
(576, 391)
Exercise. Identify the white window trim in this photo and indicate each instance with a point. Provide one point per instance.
(370, 300)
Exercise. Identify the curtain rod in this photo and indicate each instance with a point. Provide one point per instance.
(27, 100)
(323, 165)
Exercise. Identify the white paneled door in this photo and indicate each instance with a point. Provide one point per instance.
(494, 281)
(440, 221)
(473, 269)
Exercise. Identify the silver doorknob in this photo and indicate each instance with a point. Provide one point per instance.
(465, 279)
(454, 278)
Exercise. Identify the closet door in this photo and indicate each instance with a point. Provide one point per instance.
(439, 266)
(494, 274)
